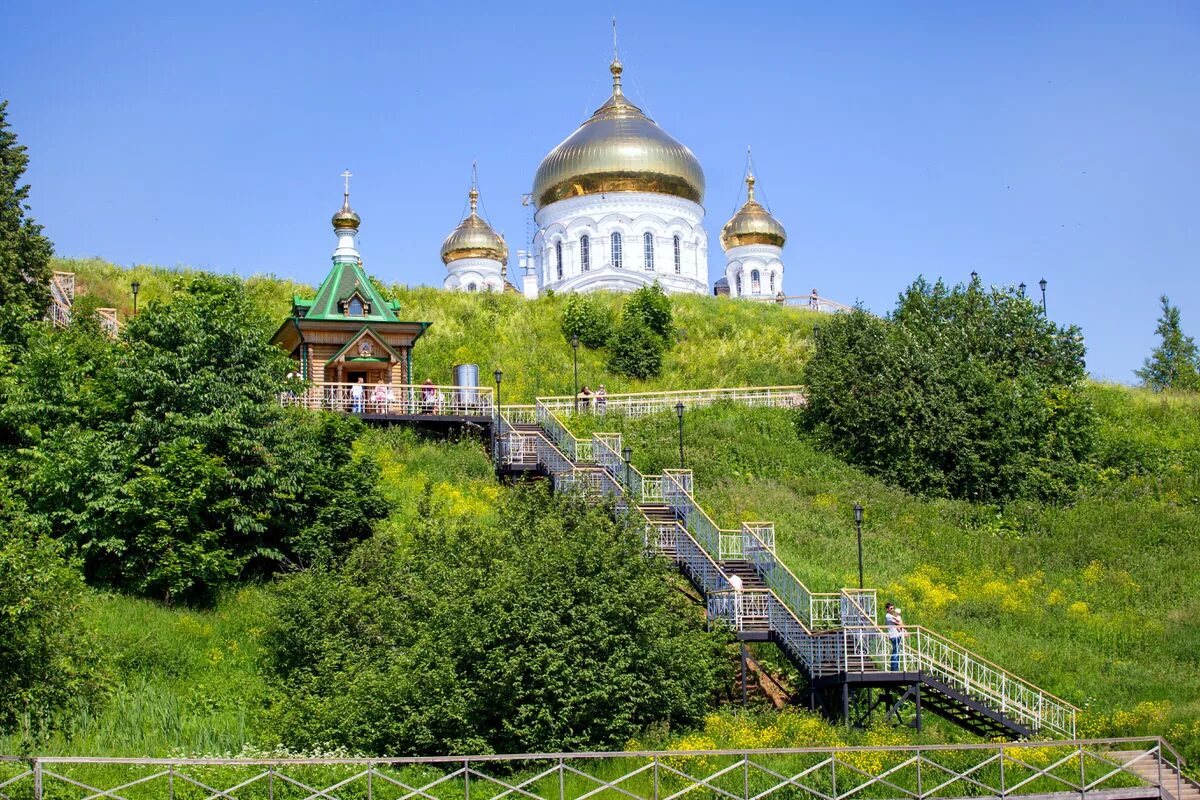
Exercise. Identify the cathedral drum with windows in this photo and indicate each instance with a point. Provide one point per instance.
(753, 242)
(619, 207)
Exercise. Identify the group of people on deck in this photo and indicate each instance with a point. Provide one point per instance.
(382, 399)
(586, 395)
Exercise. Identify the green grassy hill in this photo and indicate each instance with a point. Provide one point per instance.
(721, 342)
(1097, 600)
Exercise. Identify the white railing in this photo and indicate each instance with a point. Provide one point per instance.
(636, 404)
(734, 544)
(520, 414)
(576, 449)
(813, 302)
(395, 399)
(62, 297)
(1141, 768)
(742, 610)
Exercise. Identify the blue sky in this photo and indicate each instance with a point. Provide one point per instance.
(1021, 140)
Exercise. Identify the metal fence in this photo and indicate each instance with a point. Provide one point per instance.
(1098, 769)
(637, 404)
(395, 398)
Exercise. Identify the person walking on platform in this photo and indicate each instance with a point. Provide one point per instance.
(895, 632)
(601, 399)
(356, 397)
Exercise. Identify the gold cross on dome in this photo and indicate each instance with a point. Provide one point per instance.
(347, 175)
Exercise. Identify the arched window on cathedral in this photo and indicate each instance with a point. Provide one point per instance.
(771, 277)
(558, 258)
(678, 259)
(585, 252)
(755, 282)
(738, 281)
(471, 287)
(648, 250)
(616, 249)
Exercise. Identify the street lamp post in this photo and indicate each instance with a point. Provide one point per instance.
(974, 276)
(1021, 289)
(628, 454)
(575, 359)
(679, 413)
(1042, 283)
(135, 286)
(498, 374)
(858, 516)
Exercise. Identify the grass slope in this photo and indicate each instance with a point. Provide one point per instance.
(1098, 601)
(722, 342)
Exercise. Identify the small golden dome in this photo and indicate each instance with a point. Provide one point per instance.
(752, 224)
(618, 149)
(474, 238)
(345, 218)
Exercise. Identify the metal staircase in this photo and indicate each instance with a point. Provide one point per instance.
(833, 638)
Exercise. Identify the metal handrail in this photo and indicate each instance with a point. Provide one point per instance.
(395, 398)
(641, 403)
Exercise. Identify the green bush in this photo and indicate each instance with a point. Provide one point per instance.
(635, 350)
(652, 306)
(584, 316)
(547, 631)
(51, 666)
(961, 392)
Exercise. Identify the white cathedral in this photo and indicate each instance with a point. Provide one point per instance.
(619, 205)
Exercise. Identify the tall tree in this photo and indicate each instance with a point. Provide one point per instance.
(1175, 363)
(24, 251)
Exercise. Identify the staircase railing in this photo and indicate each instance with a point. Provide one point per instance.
(636, 404)
(576, 449)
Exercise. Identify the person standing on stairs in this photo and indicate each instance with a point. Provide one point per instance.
(895, 632)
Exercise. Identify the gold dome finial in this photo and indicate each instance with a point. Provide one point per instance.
(345, 218)
(752, 224)
(474, 237)
(616, 67)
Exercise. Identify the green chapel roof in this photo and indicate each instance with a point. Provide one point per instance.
(345, 280)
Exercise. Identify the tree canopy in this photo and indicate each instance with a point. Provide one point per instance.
(24, 251)
(1175, 362)
(960, 392)
(551, 630)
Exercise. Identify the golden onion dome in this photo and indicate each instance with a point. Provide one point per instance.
(752, 224)
(345, 218)
(618, 149)
(474, 238)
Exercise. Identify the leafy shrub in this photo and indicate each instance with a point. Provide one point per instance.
(548, 631)
(584, 316)
(635, 350)
(652, 306)
(49, 657)
(961, 392)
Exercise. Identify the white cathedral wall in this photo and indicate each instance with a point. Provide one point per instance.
(743, 260)
(483, 272)
(632, 215)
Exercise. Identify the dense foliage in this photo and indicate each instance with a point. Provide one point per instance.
(585, 317)
(646, 332)
(165, 459)
(549, 630)
(961, 392)
(24, 251)
(1175, 362)
(50, 666)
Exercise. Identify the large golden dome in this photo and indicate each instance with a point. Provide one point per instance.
(618, 149)
(752, 224)
(474, 238)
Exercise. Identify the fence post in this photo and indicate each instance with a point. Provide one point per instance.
(1083, 775)
(270, 783)
(466, 779)
(920, 788)
(171, 782)
(745, 766)
(37, 780)
(1158, 760)
(370, 782)
(656, 778)
(562, 781)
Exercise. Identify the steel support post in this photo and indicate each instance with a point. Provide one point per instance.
(918, 708)
(846, 702)
(744, 695)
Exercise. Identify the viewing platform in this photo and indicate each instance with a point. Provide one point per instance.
(384, 403)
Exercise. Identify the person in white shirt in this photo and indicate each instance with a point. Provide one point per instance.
(895, 632)
(356, 397)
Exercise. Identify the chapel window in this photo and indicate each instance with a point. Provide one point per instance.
(648, 250)
(755, 282)
(472, 287)
(355, 307)
(739, 284)
(558, 258)
(585, 252)
(771, 277)
(616, 250)
(678, 260)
